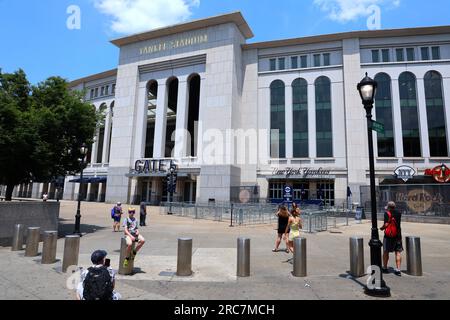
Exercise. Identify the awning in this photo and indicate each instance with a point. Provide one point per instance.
(89, 180)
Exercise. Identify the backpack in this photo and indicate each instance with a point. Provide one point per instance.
(98, 284)
(391, 230)
(113, 212)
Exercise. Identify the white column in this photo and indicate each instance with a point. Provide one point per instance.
(94, 144)
(423, 120)
(312, 121)
(35, 191)
(398, 134)
(134, 190)
(94, 148)
(88, 192)
(76, 191)
(106, 137)
(337, 119)
(446, 96)
(289, 128)
(182, 119)
(40, 190)
(141, 123)
(201, 110)
(100, 189)
(161, 120)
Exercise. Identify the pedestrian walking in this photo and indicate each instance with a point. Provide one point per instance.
(294, 226)
(132, 234)
(116, 215)
(392, 241)
(143, 214)
(283, 219)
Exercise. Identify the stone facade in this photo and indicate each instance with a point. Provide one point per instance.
(234, 118)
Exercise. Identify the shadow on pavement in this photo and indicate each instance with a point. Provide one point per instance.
(350, 277)
(65, 229)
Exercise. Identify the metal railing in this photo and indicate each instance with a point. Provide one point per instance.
(314, 219)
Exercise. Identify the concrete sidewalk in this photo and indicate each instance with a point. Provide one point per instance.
(214, 262)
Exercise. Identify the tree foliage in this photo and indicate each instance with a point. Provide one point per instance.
(42, 129)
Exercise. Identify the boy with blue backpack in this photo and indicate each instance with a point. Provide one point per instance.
(116, 215)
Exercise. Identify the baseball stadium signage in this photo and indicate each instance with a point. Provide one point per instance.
(405, 173)
(153, 166)
(303, 172)
(174, 44)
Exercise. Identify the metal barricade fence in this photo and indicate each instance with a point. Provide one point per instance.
(256, 214)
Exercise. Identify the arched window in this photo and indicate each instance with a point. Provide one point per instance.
(193, 112)
(277, 120)
(383, 110)
(300, 117)
(152, 96)
(101, 132)
(324, 132)
(435, 114)
(171, 116)
(410, 118)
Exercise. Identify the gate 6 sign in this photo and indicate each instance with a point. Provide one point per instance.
(405, 173)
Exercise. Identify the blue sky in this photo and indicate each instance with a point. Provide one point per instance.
(34, 35)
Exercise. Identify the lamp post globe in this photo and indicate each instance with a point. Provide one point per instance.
(83, 152)
(367, 90)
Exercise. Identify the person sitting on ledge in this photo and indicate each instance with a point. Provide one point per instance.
(132, 234)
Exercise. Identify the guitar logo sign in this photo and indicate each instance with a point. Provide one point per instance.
(440, 173)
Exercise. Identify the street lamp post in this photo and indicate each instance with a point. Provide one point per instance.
(367, 89)
(83, 151)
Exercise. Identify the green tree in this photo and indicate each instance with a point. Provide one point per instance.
(41, 129)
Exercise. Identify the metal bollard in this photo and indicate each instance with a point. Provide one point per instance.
(71, 251)
(243, 257)
(49, 247)
(123, 254)
(17, 241)
(184, 260)
(33, 237)
(299, 257)
(357, 257)
(413, 256)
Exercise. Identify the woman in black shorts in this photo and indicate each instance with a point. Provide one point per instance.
(283, 218)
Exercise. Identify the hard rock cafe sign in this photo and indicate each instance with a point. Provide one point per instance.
(440, 173)
(419, 200)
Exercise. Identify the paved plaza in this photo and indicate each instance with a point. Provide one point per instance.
(214, 262)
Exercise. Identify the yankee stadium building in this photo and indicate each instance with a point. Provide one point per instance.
(241, 121)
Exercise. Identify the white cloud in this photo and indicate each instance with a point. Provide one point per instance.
(347, 10)
(132, 16)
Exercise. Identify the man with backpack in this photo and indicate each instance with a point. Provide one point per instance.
(116, 214)
(97, 282)
(392, 237)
